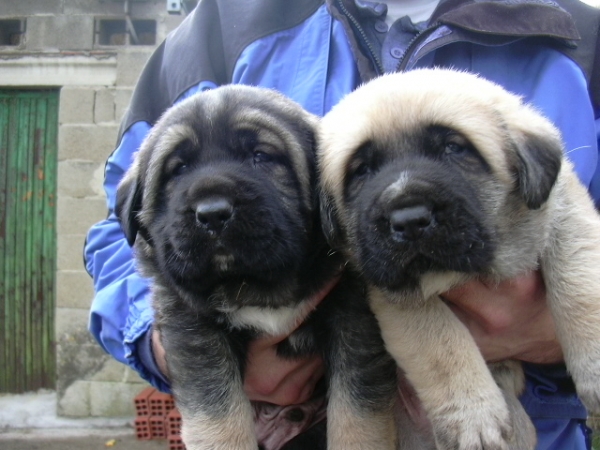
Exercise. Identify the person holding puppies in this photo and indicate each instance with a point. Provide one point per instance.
(316, 52)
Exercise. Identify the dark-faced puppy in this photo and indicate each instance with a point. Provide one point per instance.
(434, 177)
(222, 207)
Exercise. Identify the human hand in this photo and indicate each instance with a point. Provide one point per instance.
(510, 320)
(269, 378)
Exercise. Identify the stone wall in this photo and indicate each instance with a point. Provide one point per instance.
(59, 49)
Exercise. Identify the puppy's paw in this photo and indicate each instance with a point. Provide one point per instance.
(225, 434)
(482, 426)
(209, 444)
(588, 391)
(586, 376)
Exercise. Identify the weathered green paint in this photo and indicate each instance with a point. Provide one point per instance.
(28, 168)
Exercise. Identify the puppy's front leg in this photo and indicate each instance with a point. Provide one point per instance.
(570, 269)
(362, 375)
(465, 406)
(510, 377)
(207, 385)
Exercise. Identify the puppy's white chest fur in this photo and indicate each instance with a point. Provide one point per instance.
(272, 321)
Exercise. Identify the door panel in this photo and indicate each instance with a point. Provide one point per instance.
(28, 167)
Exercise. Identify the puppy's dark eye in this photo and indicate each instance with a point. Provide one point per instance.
(181, 159)
(261, 157)
(361, 170)
(453, 148)
(179, 169)
(176, 166)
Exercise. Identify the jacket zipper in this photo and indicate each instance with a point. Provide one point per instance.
(374, 56)
(363, 35)
(410, 47)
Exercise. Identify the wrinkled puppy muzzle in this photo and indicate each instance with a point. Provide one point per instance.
(414, 217)
(223, 222)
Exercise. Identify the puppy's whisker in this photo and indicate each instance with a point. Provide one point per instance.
(238, 253)
(240, 290)
(577, 148)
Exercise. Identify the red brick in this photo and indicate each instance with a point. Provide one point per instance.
(175, 443)
(173, 422)
(160, 404)
(142, 408)
(157, 427)
(142, 428)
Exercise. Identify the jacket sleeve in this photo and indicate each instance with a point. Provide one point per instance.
(121, 313)
(561, 93)
(555, 85)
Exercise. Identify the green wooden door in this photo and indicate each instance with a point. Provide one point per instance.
(28, 166)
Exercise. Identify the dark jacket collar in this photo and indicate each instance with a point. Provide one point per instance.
(500, 17)
(519, 18)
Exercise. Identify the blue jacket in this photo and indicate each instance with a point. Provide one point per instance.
(316, 52)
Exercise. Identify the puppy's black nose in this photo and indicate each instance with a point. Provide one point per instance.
(410, 223)
(213, 213)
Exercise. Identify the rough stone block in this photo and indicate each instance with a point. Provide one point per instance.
(27, 7)
(77, 178)
(61, 32)
(148, 9)
(72, 322)
(108, 399)
(75, 401)
(74, 289)
(78, 7)
(78, 356)
(122, 100)
(112, 371)
(130, 63)
(166, 24)
(104, 107)
(69, 251)
(131, 376)
(97, 180)
(86, 142)
(76, 215)
(143, 8)
(76, 105)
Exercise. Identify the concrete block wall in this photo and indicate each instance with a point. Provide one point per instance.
(68, 25)
(85, 140)
(89, 382)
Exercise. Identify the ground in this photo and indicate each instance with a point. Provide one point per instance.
(104, 442)
(29, 422)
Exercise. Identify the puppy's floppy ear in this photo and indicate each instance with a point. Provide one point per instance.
(539, 152)
(128, 205)
(329, 222)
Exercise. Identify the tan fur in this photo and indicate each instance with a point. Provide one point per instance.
(235, 430)
(563, 236)
(418, 339)
(283, 130)
(348, 429)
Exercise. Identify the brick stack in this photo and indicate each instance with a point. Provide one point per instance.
(157, 418)
(173, 426)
